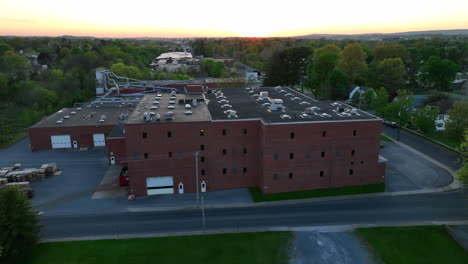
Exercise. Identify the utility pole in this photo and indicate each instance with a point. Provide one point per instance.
(203, 214)
(399, 124)
(196, 176)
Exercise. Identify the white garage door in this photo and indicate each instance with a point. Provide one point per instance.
(160, 185)
(60, 141)
(99, 140)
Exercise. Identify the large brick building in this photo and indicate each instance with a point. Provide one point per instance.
(273, 138)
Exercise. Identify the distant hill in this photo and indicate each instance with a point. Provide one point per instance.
(409, 34)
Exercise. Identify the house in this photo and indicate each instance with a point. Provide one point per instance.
(443, 116)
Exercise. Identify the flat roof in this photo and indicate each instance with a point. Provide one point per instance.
(245, 102)
(109, 113)
(199, 110)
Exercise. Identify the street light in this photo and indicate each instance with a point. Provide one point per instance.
(196, 175)
(399, 124)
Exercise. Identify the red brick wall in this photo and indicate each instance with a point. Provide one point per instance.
(40, 136)
(261, 142)
(117, 148)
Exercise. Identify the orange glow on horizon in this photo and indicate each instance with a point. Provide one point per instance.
(210, 18)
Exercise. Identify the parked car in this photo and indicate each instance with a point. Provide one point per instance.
(393, 124)
(123, 179)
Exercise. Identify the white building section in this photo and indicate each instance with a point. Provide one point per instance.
(99, 140)
(59, 142)
(160, 185)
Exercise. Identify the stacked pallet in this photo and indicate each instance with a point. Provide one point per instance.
(16, 174)
(50, 168)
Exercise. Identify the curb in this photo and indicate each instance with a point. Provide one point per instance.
(333, 228)
(433, 141)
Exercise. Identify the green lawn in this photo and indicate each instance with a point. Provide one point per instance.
(442, 137)
(414, 244)
(385, 138)
(257, 196)
(19, 136)
(264, 247)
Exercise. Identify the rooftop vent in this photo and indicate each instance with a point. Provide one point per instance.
(276, 104)
(223, 101)
(103, 117)
(72, 113)
(285, 116)
(101, 120)
(156, 102)
(340, 109)
(188, 112)
(146, 117)
(304, 115)
(226, 106)
(79, 109)
(59, 122)
(171, 102)
(170, 107)
(277, 88)
(169, 115)
(152, 114)
(295, 98)
(173, 92)
(158, 117)
(282, 91)
(153, 107)
(264, 94)
(66, 117)
(158, 96)
(304, 103)
(188, 106)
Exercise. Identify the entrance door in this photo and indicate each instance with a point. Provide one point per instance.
(181, 188)
(112, 160)
(203, 186)
(75, 144)
(160, 185)
(99, 140)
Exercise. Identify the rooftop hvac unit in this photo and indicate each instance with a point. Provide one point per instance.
(153, 107)
(264, 94)
(146, 117)
(101, 120)
(79, 109)
(188, 106)
(104, 117)
(188, 112)
(66, 117)
(158, 96)
(276, 104)
(170, 107)
(285, 116)
(354, 111)
(59, 122)
(181, 101)
(158, 117)
(156, 102)
(340, 109)
(173, 92)
(72, 113)
(171, 102)
(169, 115)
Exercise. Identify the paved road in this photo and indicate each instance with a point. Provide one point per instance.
(447, 206)
(444, 156)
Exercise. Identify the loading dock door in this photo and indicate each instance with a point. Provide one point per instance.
(160, 185)
(99, 140)
(59, 142)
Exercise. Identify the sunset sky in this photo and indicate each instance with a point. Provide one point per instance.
(217, 18)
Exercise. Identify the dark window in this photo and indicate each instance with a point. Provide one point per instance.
(245, 150)
(275, 156)
(291, 135)
(352, 162)
(290, 175)
(169, 134)
(170, 154)
(145, 155)
(245, 131)
(324, 133)
(307, 155)
(202, 132)
(224, 151)
(224, 132)
(362, 162)
(224, 170)
(350, 172)
(338, 154)
(202, 147)
(323, 154)
(321, 173)
(202, 159)
(202, 172)
(352, 152)
(145, 135)
(354, 132)
(234, 151)
(291, 155)
(275, 176)
(234, 170)
(244, 170)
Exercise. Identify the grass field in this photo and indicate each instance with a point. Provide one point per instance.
(257, 196)
(414, 244)
(264, 247)
(14, 139)
(444, 138)
(385, 138)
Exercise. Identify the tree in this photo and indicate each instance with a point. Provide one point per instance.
(17, 67)
(400, 108)
(425, 118)
(437, 73)
(319, 77)
(391, 74)
(326, 49)
(126, 71)
(213, 68)
(382, 52)
(458, 119)
(339, 81)
(462, 173)
(353, 62)
(19, 224)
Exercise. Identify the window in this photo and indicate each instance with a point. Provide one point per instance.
(202, 172)
(169, 154)
(202, 158)
(275, 176)
(234, 170)
(291, 135)
(321, 173)
(291, 155)
(224, 151)
(323, 154)
(275, 156)
(245, 150)
(362, 162)
(244, 170)
(145, 135)
(354, 132)
(202, 133)
(352, 162)
(324, 133)
(353, 152)
(224, 132)
(245, 131)
(307, 155)
(351, 172)
(145, 155)
(202, 147)
(290, 175)
(169, 134)
(224, 171)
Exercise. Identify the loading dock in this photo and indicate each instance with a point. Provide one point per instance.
(61, 141)
(160, 185)
(99, 140)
